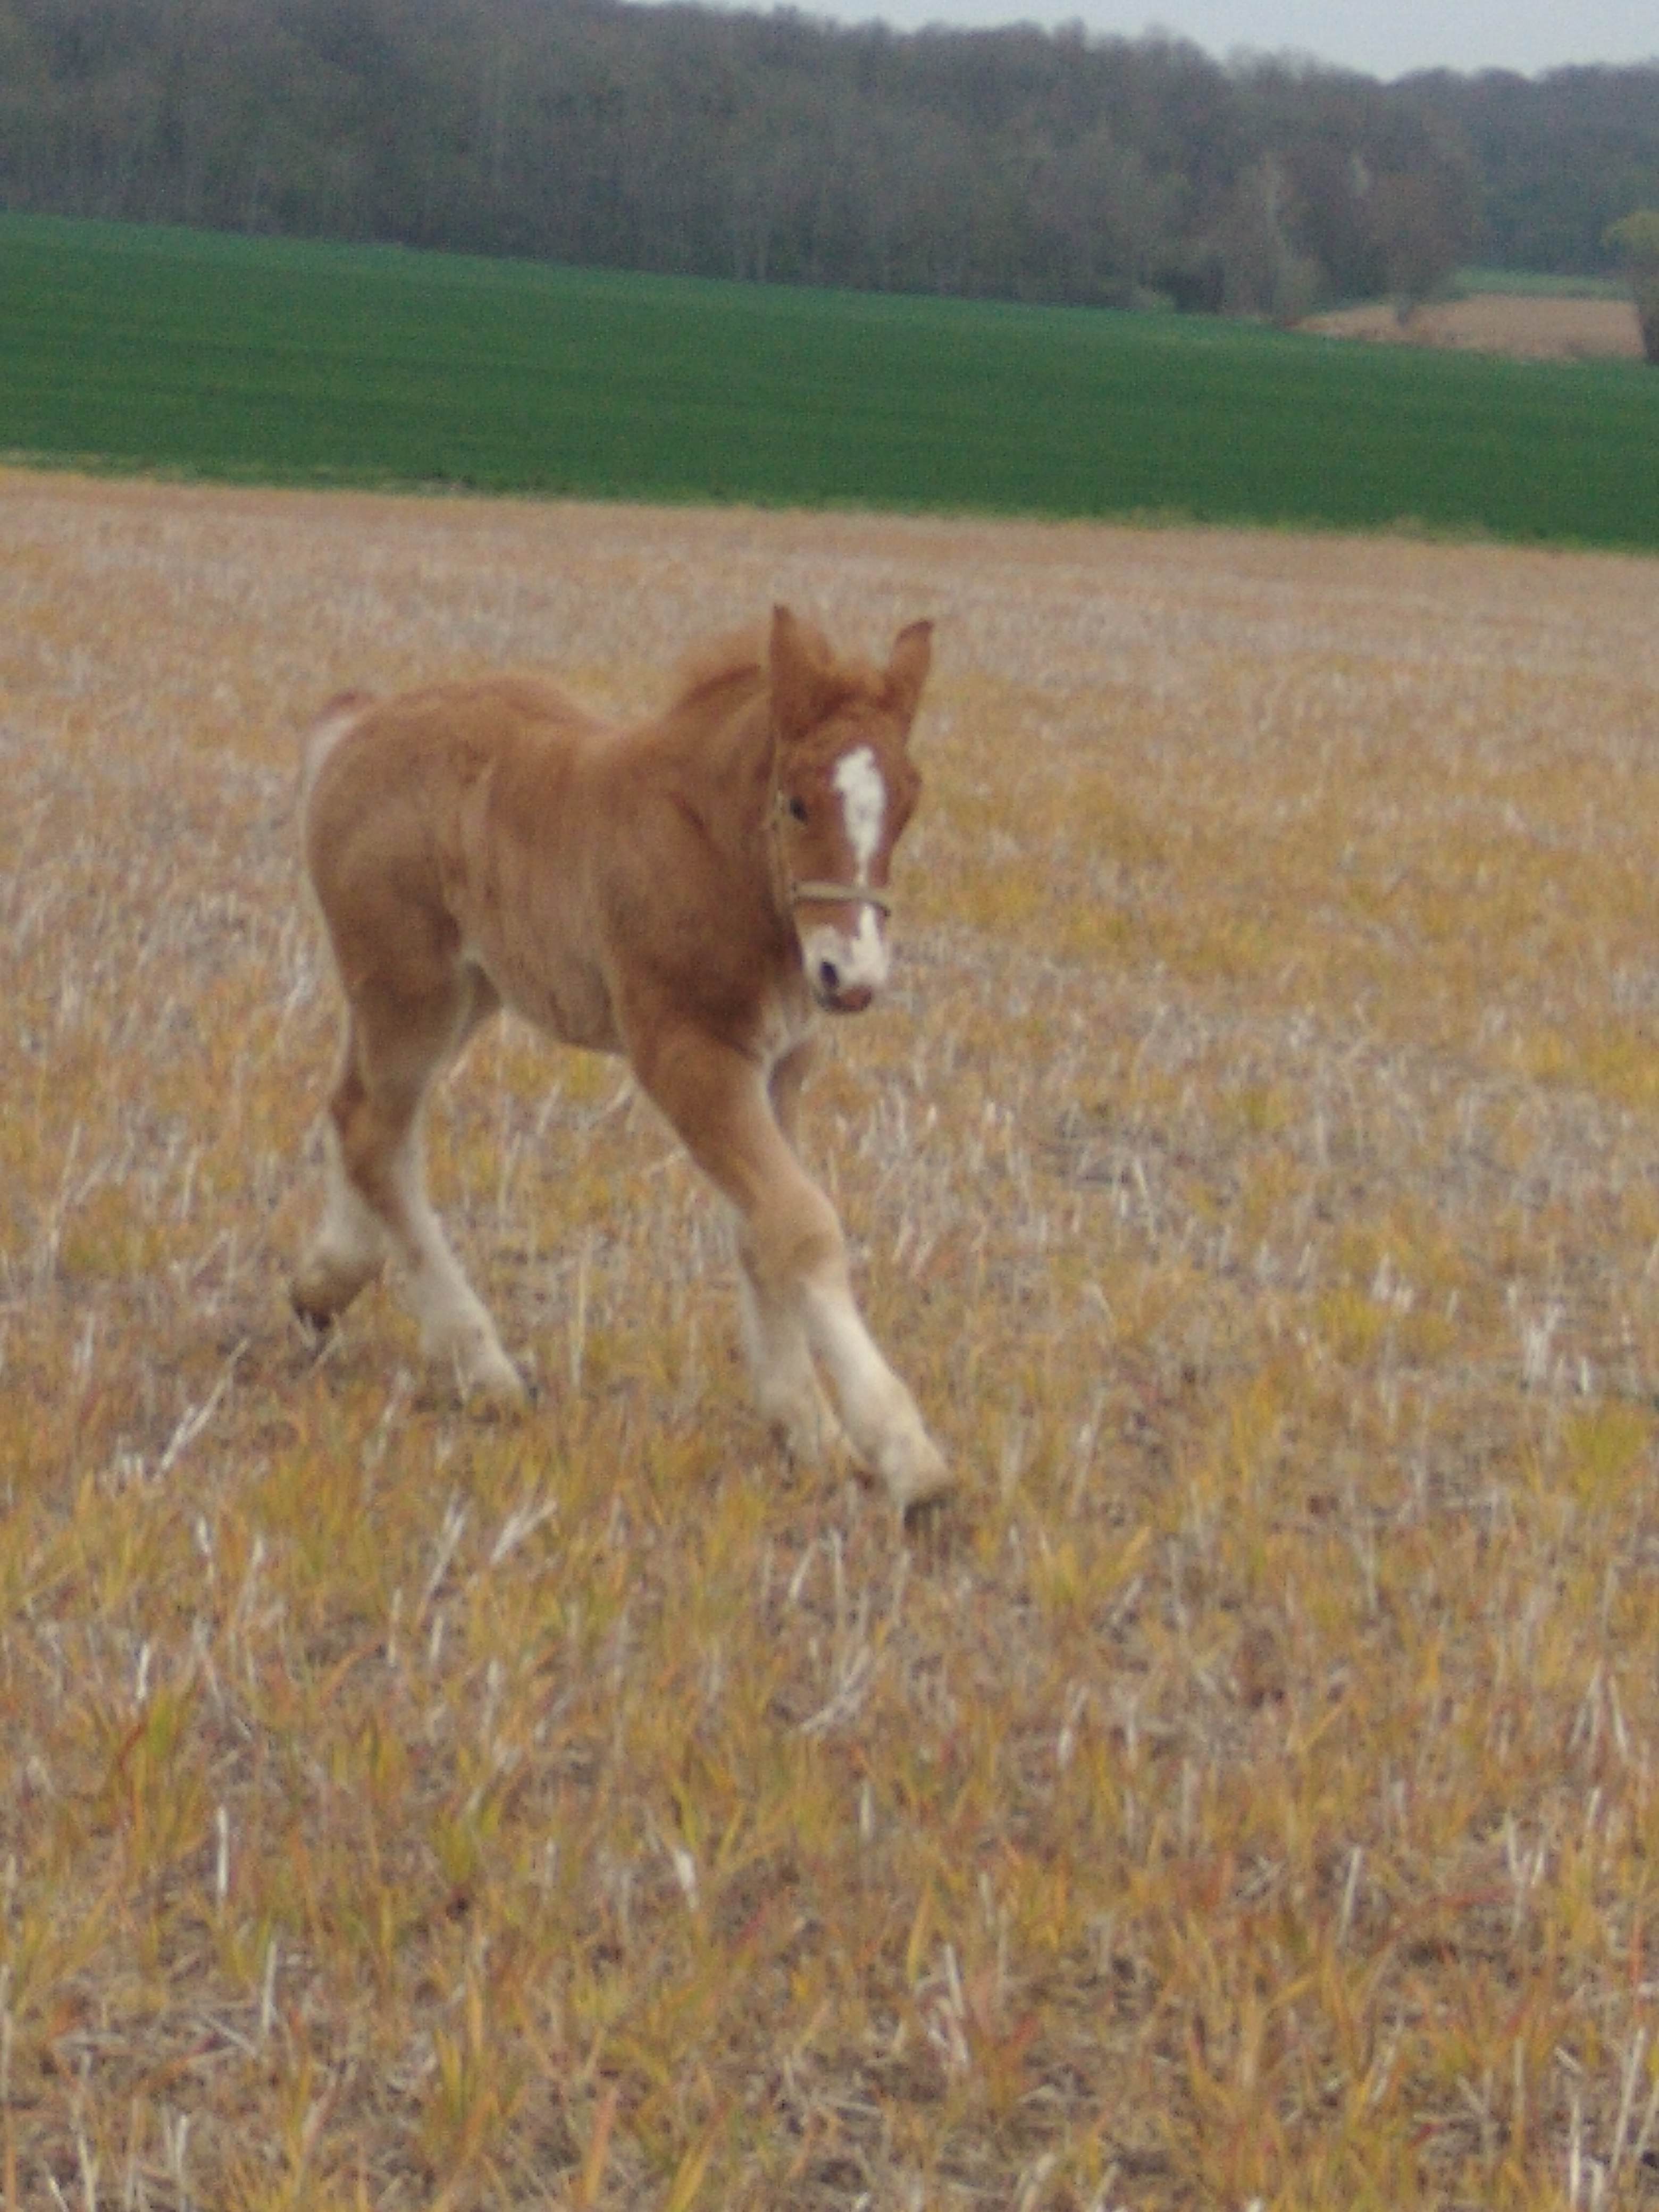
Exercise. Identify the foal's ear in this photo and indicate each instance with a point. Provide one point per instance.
(907, 669)
(803, 692)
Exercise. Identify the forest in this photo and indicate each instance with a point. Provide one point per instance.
(1011, 164)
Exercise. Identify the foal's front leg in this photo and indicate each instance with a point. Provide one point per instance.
(794, 1254)
(787, 1391)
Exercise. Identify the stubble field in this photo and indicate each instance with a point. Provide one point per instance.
(1532, 327)
(1245, 1794)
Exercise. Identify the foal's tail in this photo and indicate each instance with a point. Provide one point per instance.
(342, 714)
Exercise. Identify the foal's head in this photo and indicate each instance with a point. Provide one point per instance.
(846, 788)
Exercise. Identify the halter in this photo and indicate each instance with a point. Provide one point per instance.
(817, 892)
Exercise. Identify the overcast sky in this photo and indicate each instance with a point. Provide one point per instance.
(1383, 37)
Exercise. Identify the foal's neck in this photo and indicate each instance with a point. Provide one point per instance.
(718, 744)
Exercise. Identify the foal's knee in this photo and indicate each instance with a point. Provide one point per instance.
(795, 1244)
(370, 1129)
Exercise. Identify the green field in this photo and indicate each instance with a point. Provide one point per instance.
(230, 358)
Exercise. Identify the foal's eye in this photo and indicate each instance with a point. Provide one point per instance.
(797, 810)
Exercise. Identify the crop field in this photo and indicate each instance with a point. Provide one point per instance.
(265, 361)
(1246, 1792)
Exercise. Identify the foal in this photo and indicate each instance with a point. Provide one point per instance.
(692, 893)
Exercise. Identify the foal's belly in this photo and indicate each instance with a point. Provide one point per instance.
(566, 1000)
(574, 1012)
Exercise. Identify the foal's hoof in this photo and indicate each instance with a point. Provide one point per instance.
(316, 1321)
(324, 1287)
(491, 1386)
(495, 1398)
(917, 1477)
(809, 1435)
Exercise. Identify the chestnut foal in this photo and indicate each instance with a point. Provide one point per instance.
(691, 893)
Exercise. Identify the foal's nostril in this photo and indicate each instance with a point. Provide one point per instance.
(829, 978)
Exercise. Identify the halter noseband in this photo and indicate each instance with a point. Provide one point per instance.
(817, 894)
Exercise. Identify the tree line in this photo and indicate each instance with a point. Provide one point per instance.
(1014, 163)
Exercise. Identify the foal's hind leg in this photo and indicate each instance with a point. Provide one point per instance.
(377, 1193)
(350, 1244)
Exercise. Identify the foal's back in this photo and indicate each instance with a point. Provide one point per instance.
(428, 756)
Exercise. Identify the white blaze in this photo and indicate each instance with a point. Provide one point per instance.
(863, 805)
(856, 958)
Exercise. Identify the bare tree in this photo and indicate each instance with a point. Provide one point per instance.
(1635, 239)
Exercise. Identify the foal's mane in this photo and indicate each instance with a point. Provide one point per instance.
(734, 662)
(737, 664)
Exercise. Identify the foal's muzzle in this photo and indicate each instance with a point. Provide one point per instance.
(844, 953)
(837, 997)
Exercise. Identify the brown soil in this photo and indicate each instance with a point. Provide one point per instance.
(1546, 328)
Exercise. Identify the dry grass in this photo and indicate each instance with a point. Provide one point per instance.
(1533, 326)
(1249, 1794)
